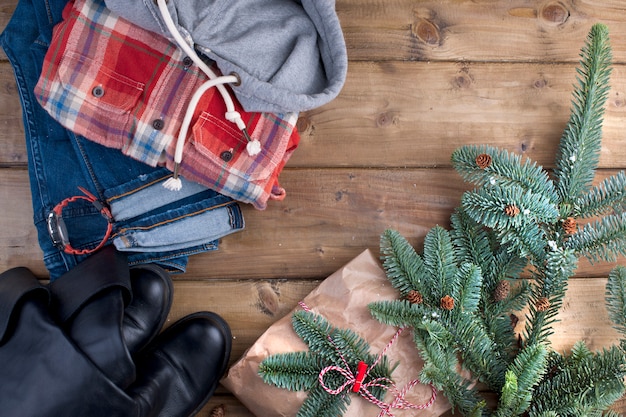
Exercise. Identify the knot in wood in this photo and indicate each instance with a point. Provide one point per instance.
(570, 226)
(426, 31)
(414, 297)
(511, 210)
(218, 411)
(303, 124)
(542, 304)
(555, 13)
(483, 160)
(447, 303)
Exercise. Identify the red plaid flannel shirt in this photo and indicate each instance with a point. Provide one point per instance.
(127, 88)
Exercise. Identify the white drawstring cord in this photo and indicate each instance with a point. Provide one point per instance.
(253, 147)
(174, 183)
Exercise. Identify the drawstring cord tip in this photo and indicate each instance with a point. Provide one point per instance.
(254, 146)
(174, 183)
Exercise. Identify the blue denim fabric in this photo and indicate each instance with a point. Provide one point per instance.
(152, 225)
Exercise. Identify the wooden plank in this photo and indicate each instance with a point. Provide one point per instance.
(412, 114)
(328, 217)
(415, 114)
(13, 149)
(481, 30)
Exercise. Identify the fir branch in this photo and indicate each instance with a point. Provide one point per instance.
(528, 241)
(506, 170)
(514, 214)
(403, 266)
(469, 279)
(314, 330)
(516, 301)
(356, 349)
(616, 298)
(400, 313)
(471, 241)
(441, 370)
(440, 262)
(521, 378)
(319, 403)
(579, 149)
(603, 239)
(295, 371)
(551, 280)
(478, 351)
(488, 206)
(587, 383)
(608, 196)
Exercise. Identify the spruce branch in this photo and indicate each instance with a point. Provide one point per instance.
(321, 404)
(601, 240)
(579, 149)
(506, 169)
(328, 346)
(296, 371)
(520, 380)
(551, 284)
(608, 196)
(587, 382)
(470, 280)
(616, 298)
(403, 266)
(440, 262)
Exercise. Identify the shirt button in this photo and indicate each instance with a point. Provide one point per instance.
(187, 61)
(158, 124)
(226, 156)
(97, 91)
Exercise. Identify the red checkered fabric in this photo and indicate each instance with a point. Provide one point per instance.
(127, 88)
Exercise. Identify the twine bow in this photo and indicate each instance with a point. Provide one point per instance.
(356, 382)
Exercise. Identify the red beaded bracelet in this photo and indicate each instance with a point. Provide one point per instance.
(58, 230)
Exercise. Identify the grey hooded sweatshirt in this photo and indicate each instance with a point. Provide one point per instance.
(289, 54)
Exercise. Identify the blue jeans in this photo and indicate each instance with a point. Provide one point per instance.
(150, 223)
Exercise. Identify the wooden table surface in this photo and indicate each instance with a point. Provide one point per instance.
(424, 78)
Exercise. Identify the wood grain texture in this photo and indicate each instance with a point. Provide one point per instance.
(415, 114)
(424, 77)
(329, 217)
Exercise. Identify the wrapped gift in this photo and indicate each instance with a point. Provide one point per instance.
(342, 299)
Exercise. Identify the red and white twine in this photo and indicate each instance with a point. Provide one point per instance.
(356, 382)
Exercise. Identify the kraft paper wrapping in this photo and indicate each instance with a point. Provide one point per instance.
(342, 299)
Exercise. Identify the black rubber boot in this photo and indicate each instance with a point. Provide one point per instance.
(42, 373)
(186, 361)
(111, 312)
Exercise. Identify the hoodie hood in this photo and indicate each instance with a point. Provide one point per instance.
(290, 55)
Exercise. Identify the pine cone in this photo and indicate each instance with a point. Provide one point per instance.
(415, 297)
(570, 226)
(511, 210)
(502, 290)
(542, 304)
(483, 160)
(218, 411)
(447, 303)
